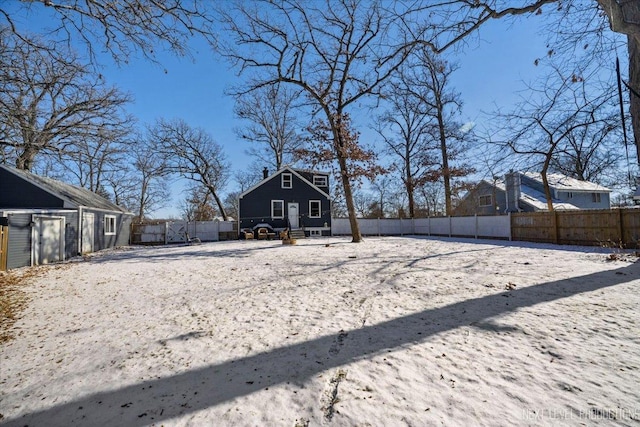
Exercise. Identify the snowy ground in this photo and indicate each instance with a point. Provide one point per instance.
(394, 331)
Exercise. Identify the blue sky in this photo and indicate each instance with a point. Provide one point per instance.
(492, 69)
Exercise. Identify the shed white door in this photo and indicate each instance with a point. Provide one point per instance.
(88, 227)
(49, 240)
(294, 217)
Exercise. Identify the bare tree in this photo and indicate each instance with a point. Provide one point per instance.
(550, 114)
(248, 177)
(431, 199)
(232, 204)
(340, 52)
(92, 162)
(591, 152)
(404, 129)
(198, 204)
(382, 189)
(336, 52)
(424, 134)
(51, 104)
(624, 18)
(578, 25)
(193, 154)
(272, 126)
(362, 201)
(150, 178)
(123, 185)
(444, 105)
(120, 28)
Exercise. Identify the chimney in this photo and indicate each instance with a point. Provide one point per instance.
(265, 173)
(512, 187)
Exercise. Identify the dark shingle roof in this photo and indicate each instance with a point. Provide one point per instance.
(73, 195)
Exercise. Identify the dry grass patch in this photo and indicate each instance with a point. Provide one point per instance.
(13, 299)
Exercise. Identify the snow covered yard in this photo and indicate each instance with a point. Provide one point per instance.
(394, 331)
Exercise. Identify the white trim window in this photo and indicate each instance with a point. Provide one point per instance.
(315, 209)
(485, 200)
(320, 180)
(109, 225)
(287, 180)
(277, 209)
(596, 197)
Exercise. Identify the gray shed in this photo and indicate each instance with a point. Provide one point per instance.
(49, 221)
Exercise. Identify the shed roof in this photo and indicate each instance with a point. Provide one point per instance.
(72, 195)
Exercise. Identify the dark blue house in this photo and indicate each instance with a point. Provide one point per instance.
(45, 220)
(289, 198)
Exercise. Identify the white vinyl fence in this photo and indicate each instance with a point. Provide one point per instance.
(463, 226)
(210, 231)
(181, 231)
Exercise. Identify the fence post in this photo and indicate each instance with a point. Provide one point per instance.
(621, 228)
(166, 232)
(476, 215)
(429, 225)
(4, 246)
(554, 218)
(378, 226)
(401, 234)
(510, 227)
(450, 226)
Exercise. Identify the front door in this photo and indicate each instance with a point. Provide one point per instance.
(294, 217)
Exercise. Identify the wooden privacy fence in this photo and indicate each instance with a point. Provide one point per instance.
(615, 227)
(4, 243)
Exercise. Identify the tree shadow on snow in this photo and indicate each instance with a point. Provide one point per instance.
(181, 251)
(153, 401)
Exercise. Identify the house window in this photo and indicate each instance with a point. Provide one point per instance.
(287, 180)
(314, 209)
(569, 195)
(319, 180)
(595, 197)
(485, 200)
(109, 225)
(277, 209)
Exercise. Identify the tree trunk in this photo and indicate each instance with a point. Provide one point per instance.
(446, 173)
(26, 158)
(219, 203)
(356, 237)
(634, 83)
(545, 181)
(338, 129)
(410, 196)
(624, 18)
(409, 186)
